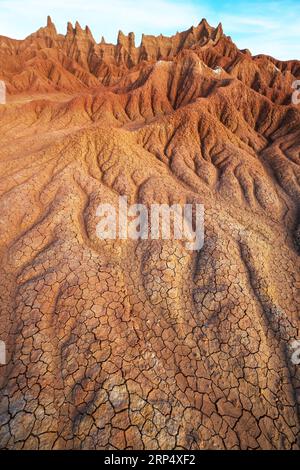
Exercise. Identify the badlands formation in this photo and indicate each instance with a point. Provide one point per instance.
(142, 344)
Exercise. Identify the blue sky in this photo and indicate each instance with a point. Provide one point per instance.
(271, 27)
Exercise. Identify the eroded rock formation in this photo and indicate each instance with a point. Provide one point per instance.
(143, 344)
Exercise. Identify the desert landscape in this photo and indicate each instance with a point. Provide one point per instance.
(143, 344)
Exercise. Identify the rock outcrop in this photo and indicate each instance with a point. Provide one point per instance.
(123, 344)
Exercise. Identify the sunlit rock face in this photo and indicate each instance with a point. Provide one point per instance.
(132, 344)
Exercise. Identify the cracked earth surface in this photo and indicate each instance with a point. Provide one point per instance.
(144, 344)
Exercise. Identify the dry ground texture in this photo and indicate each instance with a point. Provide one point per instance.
(144, 344)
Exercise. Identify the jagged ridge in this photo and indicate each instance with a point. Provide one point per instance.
(137, 344)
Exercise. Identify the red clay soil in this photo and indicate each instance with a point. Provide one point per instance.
(122, 344)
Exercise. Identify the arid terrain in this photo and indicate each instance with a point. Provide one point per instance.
(123, 344)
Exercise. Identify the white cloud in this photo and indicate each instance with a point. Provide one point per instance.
(270, 27)
(104, 17)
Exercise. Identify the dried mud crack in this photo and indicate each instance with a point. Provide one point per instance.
(144, 344)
